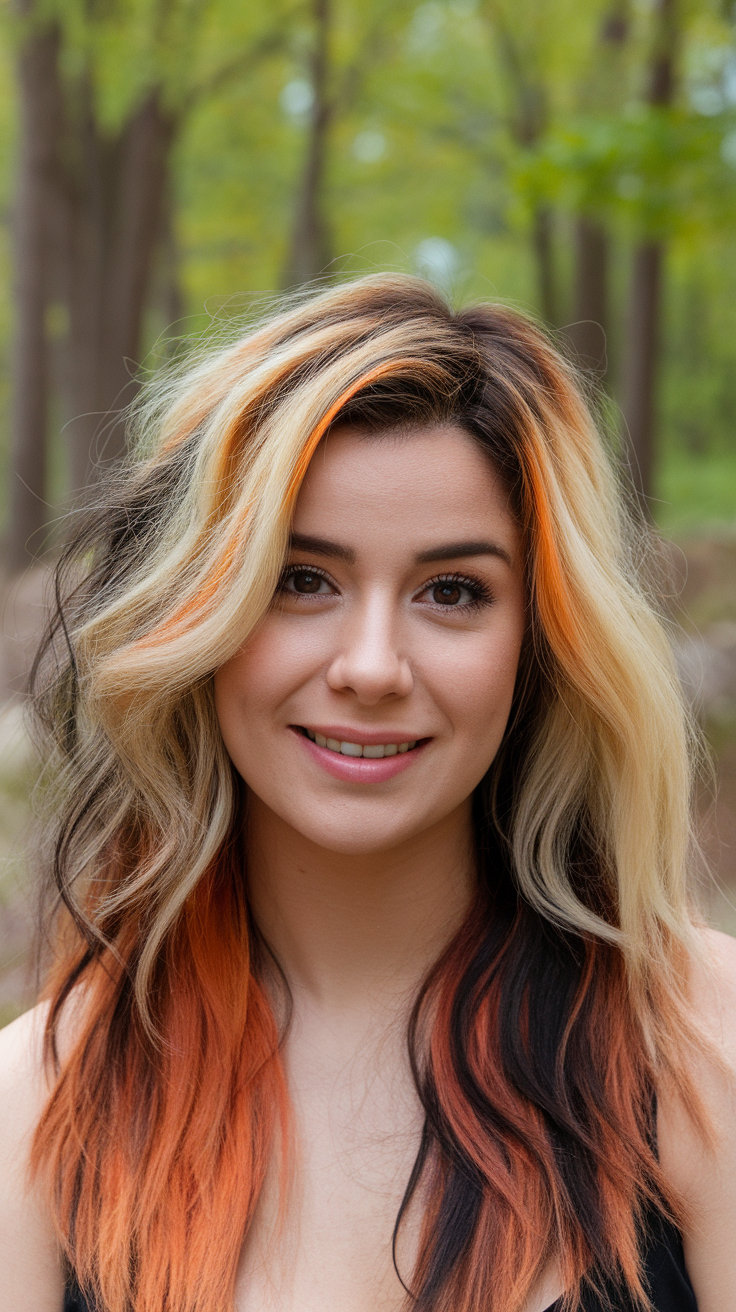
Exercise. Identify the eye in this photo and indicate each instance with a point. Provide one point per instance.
(449, 593)
(305, 581)
(456, 592)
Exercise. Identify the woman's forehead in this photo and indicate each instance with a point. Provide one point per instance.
(434, 483)
(392, 460)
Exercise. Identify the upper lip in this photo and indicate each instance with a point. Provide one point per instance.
(367, 737)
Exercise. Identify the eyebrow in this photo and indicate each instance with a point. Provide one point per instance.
(321, 547)
(450, 550)
(447, 551)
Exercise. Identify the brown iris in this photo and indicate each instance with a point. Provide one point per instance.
(306, 581)
(447, 594)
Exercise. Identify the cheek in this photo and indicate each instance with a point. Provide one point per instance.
(252, 685)
(479, 687)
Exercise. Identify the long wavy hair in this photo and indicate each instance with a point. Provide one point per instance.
(540, 1037)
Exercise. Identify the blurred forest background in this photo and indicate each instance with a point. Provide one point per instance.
(167, 164)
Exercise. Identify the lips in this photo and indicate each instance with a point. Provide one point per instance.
(354, 765)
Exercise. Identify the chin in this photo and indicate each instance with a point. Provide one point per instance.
(359, 837)
(352, 844)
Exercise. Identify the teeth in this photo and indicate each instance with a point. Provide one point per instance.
(373, 752)
(351, 749)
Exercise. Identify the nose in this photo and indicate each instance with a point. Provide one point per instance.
(369, 662)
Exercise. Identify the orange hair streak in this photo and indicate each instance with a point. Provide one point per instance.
(315, 437)
(153, 1218)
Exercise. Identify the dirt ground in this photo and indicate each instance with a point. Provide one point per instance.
(702, 592)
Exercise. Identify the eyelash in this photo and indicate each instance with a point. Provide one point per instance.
(291, 570)
(481, 594)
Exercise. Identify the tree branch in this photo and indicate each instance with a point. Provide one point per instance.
(244, 63)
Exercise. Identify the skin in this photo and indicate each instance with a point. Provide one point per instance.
(358, 883)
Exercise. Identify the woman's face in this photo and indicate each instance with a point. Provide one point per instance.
(374, 695)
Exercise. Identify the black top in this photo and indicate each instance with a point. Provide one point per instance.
(664, 1267)
(669, 1284)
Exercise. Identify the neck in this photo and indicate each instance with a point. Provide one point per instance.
(350, 930)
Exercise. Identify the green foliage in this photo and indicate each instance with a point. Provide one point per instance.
(654, 171)
(452, 120)
(187, 48)
(695, 490)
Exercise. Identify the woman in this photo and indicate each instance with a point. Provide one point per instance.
(362, 728)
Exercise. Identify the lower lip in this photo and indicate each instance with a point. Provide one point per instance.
(360, 769)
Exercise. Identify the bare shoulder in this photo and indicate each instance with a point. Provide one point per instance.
(713, 998)
(714, 991)
(704, 1174)
(30, 1271)
(23, 1081)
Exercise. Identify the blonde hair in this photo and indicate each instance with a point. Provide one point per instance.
(587, 804)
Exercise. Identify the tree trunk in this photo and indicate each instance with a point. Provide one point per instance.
(587, 332)
(40, 121)
(603, 88)
(310, 250)
(115, 194)
(83, 261)
(528, 115)
(641, 357)
(135, 225)
(544, 256)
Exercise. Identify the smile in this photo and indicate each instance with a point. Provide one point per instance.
(373, 751)
(359, 763)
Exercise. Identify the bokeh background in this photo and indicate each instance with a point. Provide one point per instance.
(168, 164)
